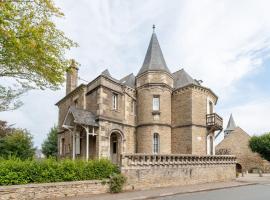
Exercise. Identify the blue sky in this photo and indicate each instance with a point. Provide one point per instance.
(224, 43)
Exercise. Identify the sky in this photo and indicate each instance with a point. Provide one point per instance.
(225, 43)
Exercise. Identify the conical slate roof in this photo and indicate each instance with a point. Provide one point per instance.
(182, 78)
(231, 124)
(154, 60)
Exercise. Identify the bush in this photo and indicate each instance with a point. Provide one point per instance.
(117, 182)
(261, 145)
(15, 171)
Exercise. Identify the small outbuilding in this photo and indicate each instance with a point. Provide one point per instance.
(236, 142)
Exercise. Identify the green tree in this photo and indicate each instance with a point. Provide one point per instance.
(49, 146)
(32, 49)
(261, 145)
(5, 128)
(18, 143)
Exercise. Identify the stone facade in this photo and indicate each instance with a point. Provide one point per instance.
(155, 112)
(53, 190)
(145, 171)
(236, 143)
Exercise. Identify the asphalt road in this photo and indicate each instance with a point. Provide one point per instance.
(250, 192)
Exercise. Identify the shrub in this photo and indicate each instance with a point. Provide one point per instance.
(117, 182)
(15, 171)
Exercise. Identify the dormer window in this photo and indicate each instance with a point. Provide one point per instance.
(156, 103)
(115, 101)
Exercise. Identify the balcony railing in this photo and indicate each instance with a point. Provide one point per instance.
(214, 122)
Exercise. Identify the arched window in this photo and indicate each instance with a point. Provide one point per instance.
(156, 143)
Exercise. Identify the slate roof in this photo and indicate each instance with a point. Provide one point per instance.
(182, 78)
(108, 75)
(83, 117)
(231, 124)
(154, 60)
(128, 80)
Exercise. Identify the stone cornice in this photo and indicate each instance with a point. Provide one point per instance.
(199, 87)
(153, 124)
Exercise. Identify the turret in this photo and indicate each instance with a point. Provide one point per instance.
(154, 85)
(231, 126)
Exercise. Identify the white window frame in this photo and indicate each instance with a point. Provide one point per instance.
(115, 101)
(156, 143)
(156, 103)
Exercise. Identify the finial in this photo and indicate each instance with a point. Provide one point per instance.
(154, 28)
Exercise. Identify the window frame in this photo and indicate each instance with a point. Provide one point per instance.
(156, 107)
(115, 99)
(156, 143)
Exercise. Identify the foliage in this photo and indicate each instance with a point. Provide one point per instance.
(117, 182)
(5, 128)
(49, 146)
(9, 97)
(261, 145)
(17, 143)
(15, 171)
(32, 49)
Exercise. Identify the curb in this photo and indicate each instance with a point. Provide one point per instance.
(188, 192)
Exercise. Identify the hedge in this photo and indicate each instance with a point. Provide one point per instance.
(15, 171)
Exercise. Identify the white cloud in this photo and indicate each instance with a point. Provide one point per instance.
(219, 42)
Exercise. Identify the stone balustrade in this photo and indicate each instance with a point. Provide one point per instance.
(144, 160)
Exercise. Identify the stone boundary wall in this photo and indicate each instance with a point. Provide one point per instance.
(53, 190)
(148, 171)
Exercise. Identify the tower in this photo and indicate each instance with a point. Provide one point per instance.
(154, 84)
(230, 127)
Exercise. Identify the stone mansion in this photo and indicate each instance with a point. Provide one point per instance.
(154, 112)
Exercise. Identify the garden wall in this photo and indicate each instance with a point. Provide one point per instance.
(53, 190)
(148, 171)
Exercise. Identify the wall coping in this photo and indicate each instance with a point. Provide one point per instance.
(52, 184)
(161, 160)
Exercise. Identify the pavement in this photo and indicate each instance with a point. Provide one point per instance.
(250, 180)
(259, 189)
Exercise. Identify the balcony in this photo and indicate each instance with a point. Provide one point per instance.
(214, 122)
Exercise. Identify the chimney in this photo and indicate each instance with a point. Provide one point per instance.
(72, 77)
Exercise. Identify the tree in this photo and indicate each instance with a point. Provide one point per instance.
(5, 128)
(49, 146)
(32, 49)
(261, 145)
(17, 143)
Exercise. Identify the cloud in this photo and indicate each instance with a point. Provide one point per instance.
(220, 42)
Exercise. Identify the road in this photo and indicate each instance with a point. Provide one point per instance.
(250, 192)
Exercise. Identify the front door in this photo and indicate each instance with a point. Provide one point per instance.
(115, 148)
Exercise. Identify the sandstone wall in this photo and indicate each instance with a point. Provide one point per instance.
(52, 190)
(145, 136)
(148, 171)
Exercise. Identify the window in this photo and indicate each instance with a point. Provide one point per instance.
(211, 109)
(115, 101)
(156, 103)
(156, 143)
(133, 106)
